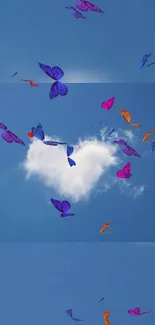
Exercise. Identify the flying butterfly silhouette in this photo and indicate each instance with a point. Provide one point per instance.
(32, 83)
(86, 5)
(144, 60)
(63, 207)
(69, 312)
(69, 152)
(56, 73)
(9, 136)
(108, 105)
(75, 12)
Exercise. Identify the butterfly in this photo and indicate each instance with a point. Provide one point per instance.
(101, 300)
(56, 73)
(86, 5)
(69, 312)
(136, 312)
(63, 207)
(145, 59)
(127, 117)
(9, 136)
(14, 74)
(69, 152)
(153, 145)
(108, 105)
(37, 132)
(125, 172)
(75, 12)
(105, 227)
(32, 83)
(111, 132)
(106, 314)
(129, 151)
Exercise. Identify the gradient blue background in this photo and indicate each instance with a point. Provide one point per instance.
(114, 42)
(40, 281)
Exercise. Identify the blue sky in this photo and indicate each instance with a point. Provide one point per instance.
(40, 281)
(95, 69)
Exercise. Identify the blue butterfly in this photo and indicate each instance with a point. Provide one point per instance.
(69, 152)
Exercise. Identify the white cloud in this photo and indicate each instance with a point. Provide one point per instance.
(137, 191)
(127, 188)
(93, 159)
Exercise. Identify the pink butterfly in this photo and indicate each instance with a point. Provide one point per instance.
(108, 105)
(125, 172)
(137, 312)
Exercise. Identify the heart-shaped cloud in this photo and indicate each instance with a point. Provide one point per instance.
(93, 158)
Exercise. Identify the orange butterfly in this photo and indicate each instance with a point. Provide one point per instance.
(105, 227)
(106, 314)
(127, 117)
(147, 135)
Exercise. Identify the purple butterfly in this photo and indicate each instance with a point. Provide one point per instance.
(56, 73)
(9, 136)
(76, 13)
(129, 151)
(69, 312)
(63, 207)
(86, 5)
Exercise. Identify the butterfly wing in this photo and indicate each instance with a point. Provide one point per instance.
(55, 73)
(70, 7)
(38, 133)
(56, 204)
(136, 125)
(121, 174)
(82, 6)
(92, 7)
(110, 133)
(7, 137)
(121, 142)
(3, 126)
(65, 206)
(153, 146)
(69, 312)
(62, 88)
(147, 135)
(134, 153)
(127, 150)
(106, 314)
(126, 115)
(127, 168)
(106, 322)
(54, 92)
(71, 162)
(111, 102)
(50, 143)
(105, 105)
(69, 151)
(15, 138)
(137, 310)
(131, 312)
